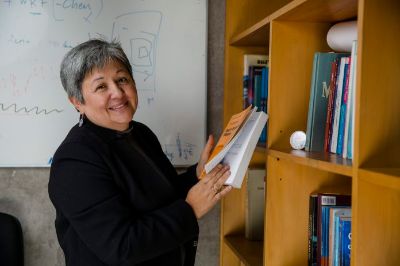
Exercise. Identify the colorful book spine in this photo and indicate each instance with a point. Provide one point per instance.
(250, 60)
(338, 102)
(335, 214)
(264, 100)
(350, 143)
(312, 230)
(319, 100)
(332, 91)
(326, 201)
(345, 229)
(343, 108)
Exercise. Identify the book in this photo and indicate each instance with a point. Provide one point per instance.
(255, 204)
(344, 61)
(343, 109)
(318, 103)
(312, 230)
(237, 143)
(349, 135)
(264, 101)
(345, 240)
(255, 85)
(347, 118)
(335, 214)
(251, 60)
(325, 202)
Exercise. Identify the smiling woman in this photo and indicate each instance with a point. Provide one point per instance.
(110, 96)
(118, 199)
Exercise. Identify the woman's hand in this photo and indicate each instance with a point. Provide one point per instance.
(205, 154)
(209, 190)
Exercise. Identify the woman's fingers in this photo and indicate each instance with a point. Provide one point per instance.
(220, 178)
(205, 155)
(213, 173)
(224, 190)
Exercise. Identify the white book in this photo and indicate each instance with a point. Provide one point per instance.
(338, 103)
(350, 148)
(238, 152)
(350, 106)
(254, 60)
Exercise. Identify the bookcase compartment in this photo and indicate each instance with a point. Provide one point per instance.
(292, 47)
(379, 94)
(376, 234)
(296, 32)
(289, 186)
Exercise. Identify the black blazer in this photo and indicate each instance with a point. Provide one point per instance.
(119, 201)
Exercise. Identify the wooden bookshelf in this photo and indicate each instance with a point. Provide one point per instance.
(290, 32)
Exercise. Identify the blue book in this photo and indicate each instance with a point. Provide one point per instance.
(264, 100)
(325, 202)
(250, 60)
(343, 109)
(318, 103)
(257, 85)
(334, 233)
(345, 233)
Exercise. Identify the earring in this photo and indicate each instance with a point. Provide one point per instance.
(81, 119)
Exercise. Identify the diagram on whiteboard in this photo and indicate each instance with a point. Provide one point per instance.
(139, 40)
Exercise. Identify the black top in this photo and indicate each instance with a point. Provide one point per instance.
(119, 201)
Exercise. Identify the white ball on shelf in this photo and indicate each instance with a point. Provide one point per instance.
(298, 140)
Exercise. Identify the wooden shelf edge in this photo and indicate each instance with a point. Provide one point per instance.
(323, 161)
(253, 36)
(386, 177)
(321, 11)
(249, 252)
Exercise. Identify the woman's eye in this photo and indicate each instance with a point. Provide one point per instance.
(123, 80)
(101, 87)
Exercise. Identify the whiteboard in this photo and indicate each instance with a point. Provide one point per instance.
(164, 40)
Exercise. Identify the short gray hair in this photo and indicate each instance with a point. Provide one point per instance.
(85, 57)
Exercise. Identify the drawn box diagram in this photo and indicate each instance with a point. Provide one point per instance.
(138, 33)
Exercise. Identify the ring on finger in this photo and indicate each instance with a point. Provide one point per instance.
(216, 189)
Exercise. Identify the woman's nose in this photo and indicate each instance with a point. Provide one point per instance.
(116, 90)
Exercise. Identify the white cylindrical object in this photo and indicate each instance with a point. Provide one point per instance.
(341, 36)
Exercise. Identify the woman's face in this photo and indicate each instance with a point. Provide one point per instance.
(110, 97)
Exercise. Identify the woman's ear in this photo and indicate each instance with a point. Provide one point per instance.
(75, 103)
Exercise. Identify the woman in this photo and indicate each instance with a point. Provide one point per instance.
(118, 199)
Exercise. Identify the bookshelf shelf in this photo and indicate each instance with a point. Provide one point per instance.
(291, 32)
(317, 11)
(249, 252)
(387, 177)
(256, 35)
(320, 160)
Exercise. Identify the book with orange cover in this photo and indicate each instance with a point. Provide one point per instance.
(237, 143)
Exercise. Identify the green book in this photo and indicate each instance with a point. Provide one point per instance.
(318, 104)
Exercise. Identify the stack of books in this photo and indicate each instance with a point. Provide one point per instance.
(330, 120)
(255, 85)
(329, 230)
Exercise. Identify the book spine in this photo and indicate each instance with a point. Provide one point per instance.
(263, 105)
(338, 102)
(346, 242)
(343, 108)
(350, 145)
(332, 91)
(311, 103)
(250, 86)
(245, 91)
(312, 231)
(349, 107)
(326, 200)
